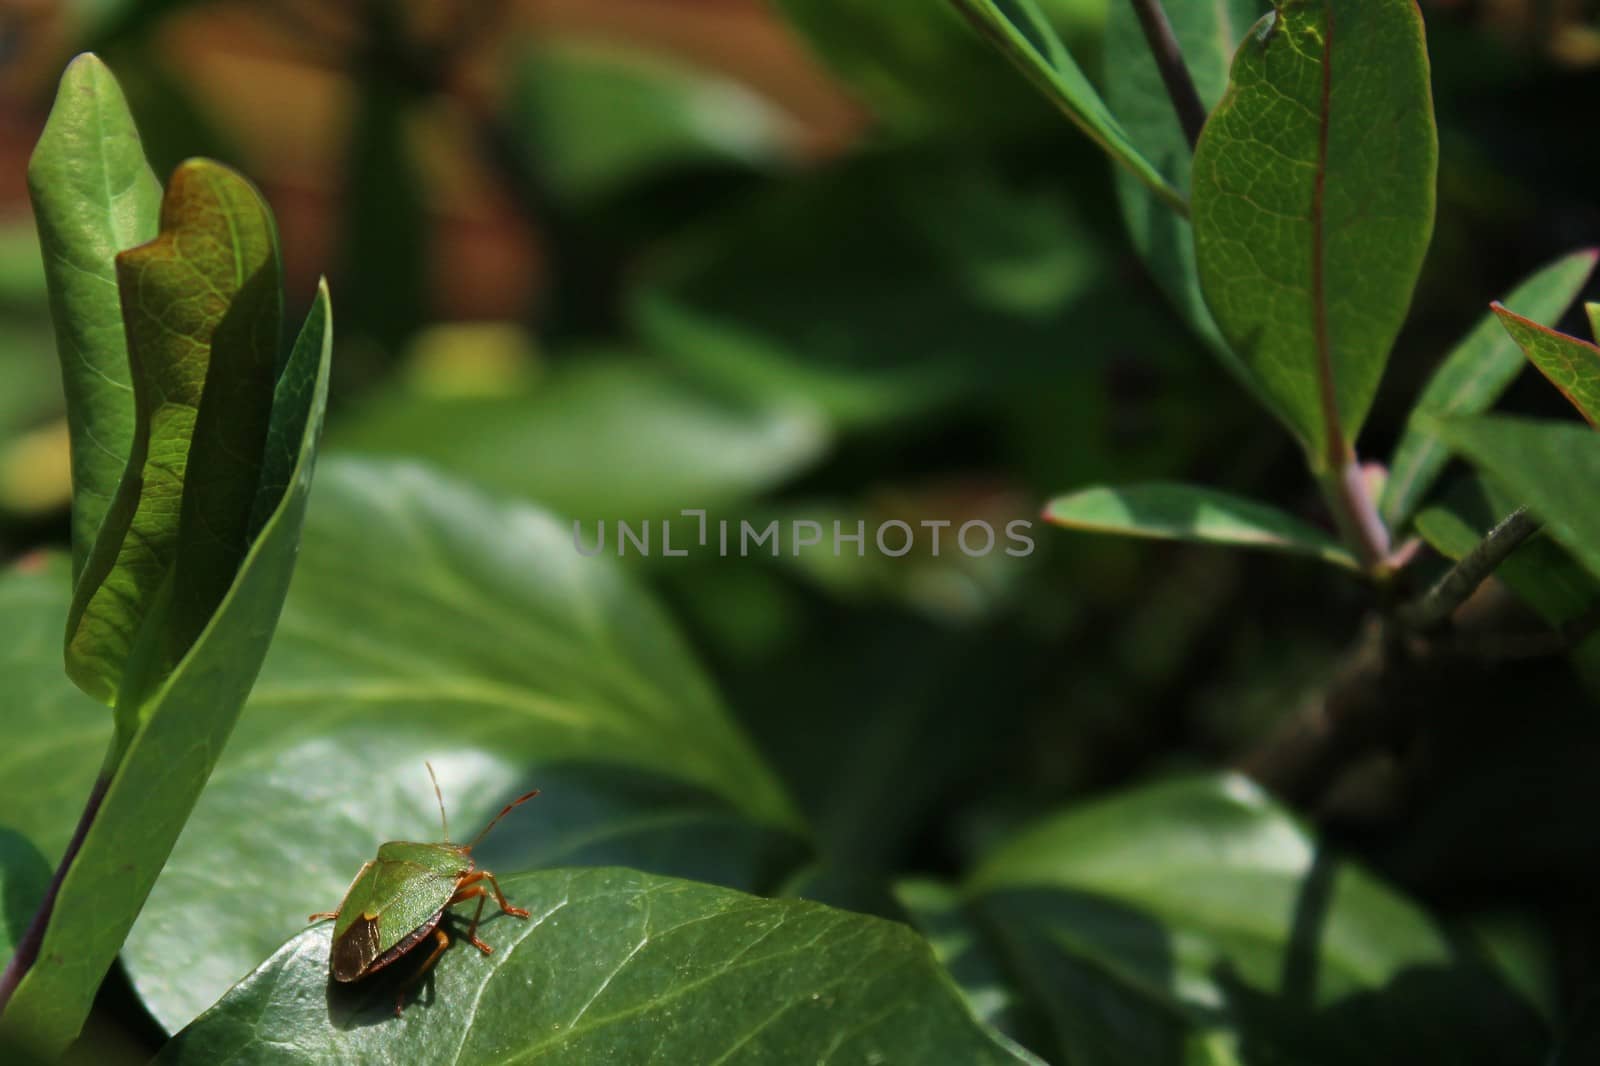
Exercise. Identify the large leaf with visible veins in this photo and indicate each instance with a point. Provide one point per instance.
(429, 622)
(620, 967)
(1313, 204)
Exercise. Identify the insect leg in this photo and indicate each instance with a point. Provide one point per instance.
(441, 940)
(500, 897)
(322, 916)
(472, 930)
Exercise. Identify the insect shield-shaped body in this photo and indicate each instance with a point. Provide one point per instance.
(398, 900)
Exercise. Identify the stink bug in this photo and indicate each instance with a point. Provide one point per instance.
(398, 899)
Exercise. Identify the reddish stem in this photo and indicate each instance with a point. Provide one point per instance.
(28, 947)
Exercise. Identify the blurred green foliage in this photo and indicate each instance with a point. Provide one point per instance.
(957, 312)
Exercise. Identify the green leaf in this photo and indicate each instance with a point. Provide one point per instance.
(602, 437)
(939, 912)
(1207, 34)
(618, 966)
(203, 306)
(1538, 571)
(1194, 921)
(1571, 365)
(157, 772)
(1313, 206)
(93, 196)
(819, 291)
(1025, 37)
(1471, 378)
(59, 739)
(1549, 467)
(1543, 574)
(429, 622)
(921, 71)
(601, 119)
(1185, 512)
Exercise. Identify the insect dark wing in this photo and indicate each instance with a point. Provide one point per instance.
(354, 950)
(406, 943)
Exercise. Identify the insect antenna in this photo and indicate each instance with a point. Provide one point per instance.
(507, 809)
(444, 823)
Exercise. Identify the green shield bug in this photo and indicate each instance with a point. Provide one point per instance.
(398, 899)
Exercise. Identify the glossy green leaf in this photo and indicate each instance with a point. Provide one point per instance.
(1207, 34)
(1548, 467)
(93, 196)
(1024, 36)
(601, 119)
(618, 966)
(427, 622)
(940, 913)
(601, 437)
(157, 772)
(820, 291)
(1186, 512)
(1471, 378)
(1313, 205)
(1196, 922)
(1571, 365)
(203, 306)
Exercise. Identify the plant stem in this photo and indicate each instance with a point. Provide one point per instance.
(1434, 607)
(33, 939)
(1357, 516)
(1174, 71)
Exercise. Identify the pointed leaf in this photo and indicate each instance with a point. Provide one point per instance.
(157, 772)
(1186, 512)
(1022, 33)
(1313, 206)
(1207, 34)
(1470, 380)
(919, 69)
(1195, 921)
(1572, 365)
(93, 196)
(618, 966)
(202, 304)
(1552, 468)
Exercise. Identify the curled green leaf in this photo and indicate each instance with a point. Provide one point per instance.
(202, 305)
(93, 195)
